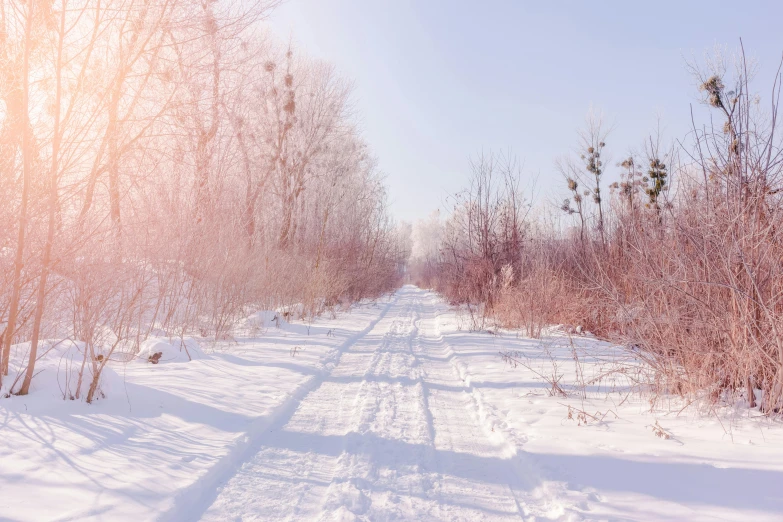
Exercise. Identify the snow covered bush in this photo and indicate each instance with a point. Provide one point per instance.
(161, 351)
(63, 370)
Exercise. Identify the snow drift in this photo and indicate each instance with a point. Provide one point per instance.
(161, 351)
(62, 371)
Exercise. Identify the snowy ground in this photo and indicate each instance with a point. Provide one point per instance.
(391, 412)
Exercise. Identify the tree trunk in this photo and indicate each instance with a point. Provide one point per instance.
(26, 176)
(53, 206)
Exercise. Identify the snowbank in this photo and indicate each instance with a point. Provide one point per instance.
(57, 372)
(161, 351)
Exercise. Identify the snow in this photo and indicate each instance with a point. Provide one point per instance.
(394, 411)
(165, 350)
(57, 373)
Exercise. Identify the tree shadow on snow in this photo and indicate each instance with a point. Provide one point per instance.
(682, 483)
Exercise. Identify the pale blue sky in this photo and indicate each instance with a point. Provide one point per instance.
(438, 81)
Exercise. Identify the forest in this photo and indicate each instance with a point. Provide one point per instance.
(167, 166)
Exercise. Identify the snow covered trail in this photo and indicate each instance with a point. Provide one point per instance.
(393, 433)
(390, 411)
(420, 420)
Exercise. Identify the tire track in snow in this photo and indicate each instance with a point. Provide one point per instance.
(192, 503)
(287, 477)
(386, 410)
(449, 426)
(537, 500)
(461, 430)
(392, 433)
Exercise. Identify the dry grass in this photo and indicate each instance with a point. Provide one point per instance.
(682, 265)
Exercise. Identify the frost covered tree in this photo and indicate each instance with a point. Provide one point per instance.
(167, 166)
